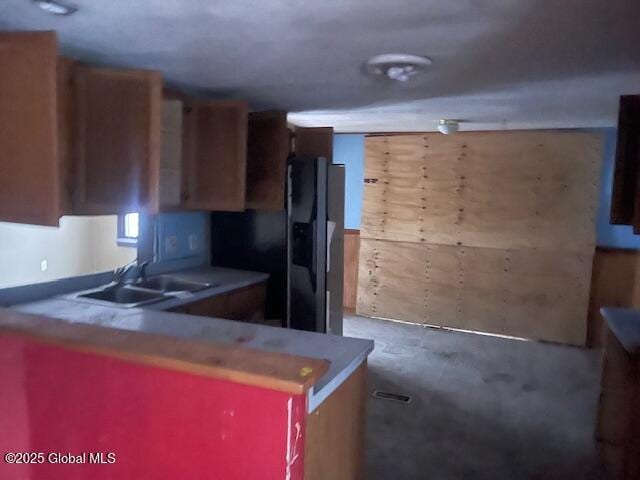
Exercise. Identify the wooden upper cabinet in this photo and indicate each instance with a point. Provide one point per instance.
(314, 142)
(215, 155)
(33, 134)
(171, 156)
(118, 116)
(66, 136)
(625, 198)
(267, 153)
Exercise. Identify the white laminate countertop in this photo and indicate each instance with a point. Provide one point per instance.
(344, 354)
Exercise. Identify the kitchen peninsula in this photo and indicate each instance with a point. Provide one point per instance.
(179, 396)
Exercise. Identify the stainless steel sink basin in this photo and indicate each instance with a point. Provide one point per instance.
(140, 292)
(122, 295)
(167, 283)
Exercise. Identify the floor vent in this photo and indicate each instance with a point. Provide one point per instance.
(396, 397)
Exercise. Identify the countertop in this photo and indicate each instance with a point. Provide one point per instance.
(235, 363)
(625, 325)
(343, 354)
(224, 280)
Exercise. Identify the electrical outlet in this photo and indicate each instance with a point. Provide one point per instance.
(193, 242)
(44, 265)
(171, 244)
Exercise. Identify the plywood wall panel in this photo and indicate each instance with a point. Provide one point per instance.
(499, 190)
(382, 288)
(488, 231)
(524, 293)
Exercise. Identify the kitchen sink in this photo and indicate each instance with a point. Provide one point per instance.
(141, 291)
(125, 296)
(167, 283)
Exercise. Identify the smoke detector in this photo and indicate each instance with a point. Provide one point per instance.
(397, 66)
(448, 127)
(56, 7)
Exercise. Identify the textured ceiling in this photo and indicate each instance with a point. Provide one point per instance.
(497, 63)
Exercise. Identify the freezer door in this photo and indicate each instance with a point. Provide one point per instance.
(307, 243)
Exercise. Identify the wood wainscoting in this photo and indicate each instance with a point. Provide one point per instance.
(351, 255)
(615, 282)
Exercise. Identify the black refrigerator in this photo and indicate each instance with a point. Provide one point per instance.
(301, 246)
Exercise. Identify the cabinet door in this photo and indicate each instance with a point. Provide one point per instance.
(314, 142)
(246, 304)
(267, 152)
(118, 123)
(31, 170)
(66, 134)
(171, 156)
(625, 200)
(215, 155)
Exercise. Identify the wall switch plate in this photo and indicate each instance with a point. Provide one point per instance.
(193, 242)
(44, 265)
(171, 244)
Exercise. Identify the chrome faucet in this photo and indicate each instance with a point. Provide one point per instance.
(120, 273)
(142, 272)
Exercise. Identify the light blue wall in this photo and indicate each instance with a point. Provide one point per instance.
(176, 228)
(616, 236)
(348, 149)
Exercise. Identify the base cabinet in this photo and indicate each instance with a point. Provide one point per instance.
(245, 304)
(618, 424)
(205, 410)
(335, 436)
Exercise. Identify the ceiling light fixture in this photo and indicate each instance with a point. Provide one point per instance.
(55, 7)
(448, 127)
(397, 66)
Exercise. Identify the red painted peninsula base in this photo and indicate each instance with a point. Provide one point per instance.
(158, 423)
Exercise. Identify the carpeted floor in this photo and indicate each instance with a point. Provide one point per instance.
(482, 407)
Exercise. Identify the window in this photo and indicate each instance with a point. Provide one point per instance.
(128, 229)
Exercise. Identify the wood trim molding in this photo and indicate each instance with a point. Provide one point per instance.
(351, 260)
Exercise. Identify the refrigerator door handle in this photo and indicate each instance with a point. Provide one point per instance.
(331, 228)
(327, 316)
